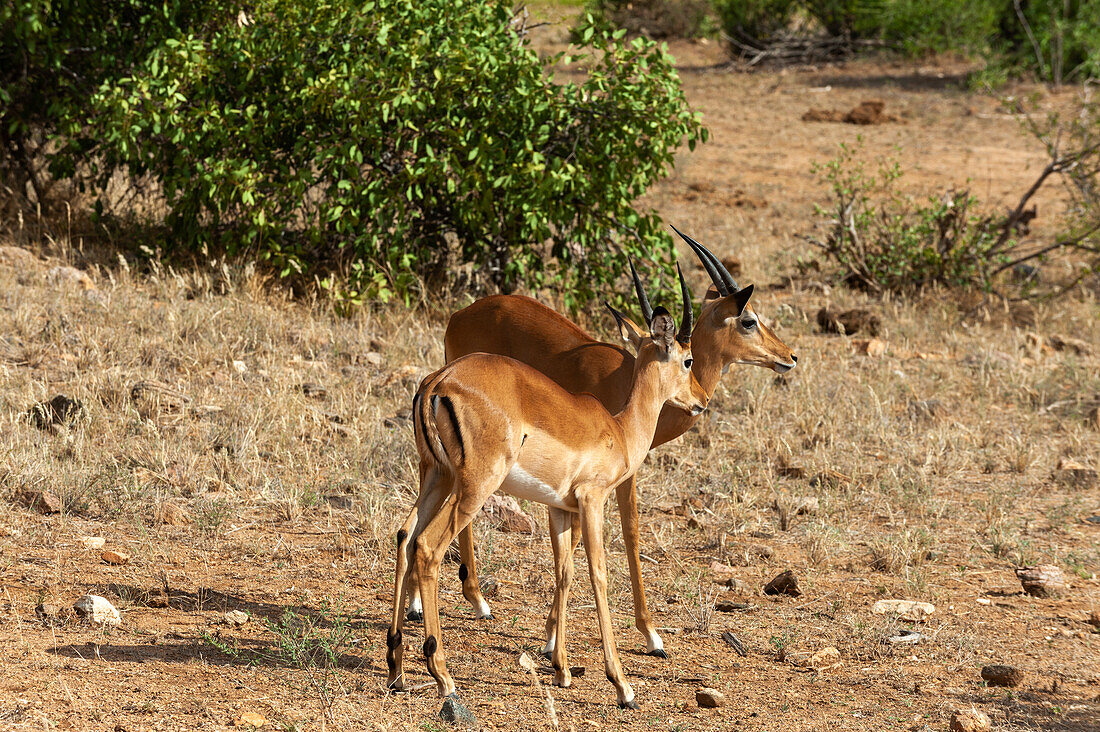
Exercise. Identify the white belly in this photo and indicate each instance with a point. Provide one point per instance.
(521, 484)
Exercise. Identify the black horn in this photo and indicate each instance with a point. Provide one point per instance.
(686, 324)
(719, 275)
(643, 301)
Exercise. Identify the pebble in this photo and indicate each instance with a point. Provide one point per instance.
(905, 636)
(236, 617)
(93, 543)
(970, 720)
(96, 609)
(708, 698)
(455, 711)
(250, 719)
(905, 609)
(112, 556)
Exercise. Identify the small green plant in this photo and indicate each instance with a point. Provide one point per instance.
(212, 514)
(883, 241)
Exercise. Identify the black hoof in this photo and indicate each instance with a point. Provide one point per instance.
(414, 616)
(394, 687)
(548, 655)
(632, 704)
(487, 617)
(658, 653)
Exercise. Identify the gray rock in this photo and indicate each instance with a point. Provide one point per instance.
(455, 711)
(96, 609)
(710, 698)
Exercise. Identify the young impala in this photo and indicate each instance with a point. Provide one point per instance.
(728, 332)
(487, 422)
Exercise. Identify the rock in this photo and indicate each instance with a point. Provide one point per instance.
(112, 556)
(736, 586)
(170, 514)
(151, 397)
(970, 720)
(42, 501)
(340, 502)
(236, 617)
(1094, 618)
(726, 606)
(720, 571)
(825, 659)
(96, 609)
(783, 584)
(505, 512)
(708, 698)
(408, 374)
(49, 613)
(913, 610)
(1001, 675)
(313, 391)
(1070, 345)
(848, 322)
(61, 410)
(734, 642)
(377, 344)
(798, 505)
(1073, 474)
(791, 471)
(870, 112)
(17, 256)
(251, 720)
(1044, 580)
(829, 478)
(93, 543)
(70, 276)
(455, 711)
(870, 347)
(239, 366)
(760, 550)
(373, 358)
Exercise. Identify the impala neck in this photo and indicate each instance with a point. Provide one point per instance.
(639, 417)
(707, 366)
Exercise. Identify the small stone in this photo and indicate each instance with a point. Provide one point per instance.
(1002, 675)
(17, 256)
(48, 612)
(1044, 580)
(455, 711)
(1094, 618)
(970, 720)
(61, 410)
(825, 659)
(407, 374)
(734, 642)
(708, 698)
(505, 512)
(250, 719)
(848, 322)
(239, 366)
(904, 637)
(340, 502)
(112, 556)
(96, 609)
(930, 409)
(70, 276)
(170, 514)
(93, 543)
(913, 610)
(236, 617)
(870, 347)
(725, 606)
(783, 584)
(42, 501)
(763, 551)
(526, 662)
(373, 358)
(1070, 345)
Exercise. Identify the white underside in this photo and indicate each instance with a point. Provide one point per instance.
(521, 484)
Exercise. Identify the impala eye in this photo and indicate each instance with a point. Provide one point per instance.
(688, 362)
(748, 323)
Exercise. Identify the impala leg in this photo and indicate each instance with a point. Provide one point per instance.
(626, 493)
(416, 610)
(561, 531)
(592, 529)
(457, 511)
(467, 572)
(555, 607)
(433, 488)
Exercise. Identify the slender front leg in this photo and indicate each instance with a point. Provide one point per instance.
(555, 608)
(561, 523)
(467, 573)
(591, 509)
(626, 493)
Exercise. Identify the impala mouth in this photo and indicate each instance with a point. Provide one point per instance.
(697, 410)
(782, 368)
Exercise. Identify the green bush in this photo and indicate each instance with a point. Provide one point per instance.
(883, 241)
(655, 18)
(1056, 40)
(755, 20)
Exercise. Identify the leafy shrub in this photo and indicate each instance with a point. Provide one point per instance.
(656, 18)
(755, 20)
(1057, 40)
(883, 241)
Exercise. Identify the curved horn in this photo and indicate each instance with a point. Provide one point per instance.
(719, 275)
(684, 335)
(647, 309)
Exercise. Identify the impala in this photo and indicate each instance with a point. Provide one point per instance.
(485, 423)
(728, 332)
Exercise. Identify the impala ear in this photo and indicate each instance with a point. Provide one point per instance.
(628, 329)
(712, 293)
(662, 329)
(735, 303)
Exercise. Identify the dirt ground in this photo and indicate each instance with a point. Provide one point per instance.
(281, 434)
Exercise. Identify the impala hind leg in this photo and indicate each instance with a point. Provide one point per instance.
(467, 573)
(626, 494)
(433, 489)
(592, 529)
(558, 608)
(561, 533)
(456, 512)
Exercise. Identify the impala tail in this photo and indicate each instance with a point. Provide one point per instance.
(436, 426)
